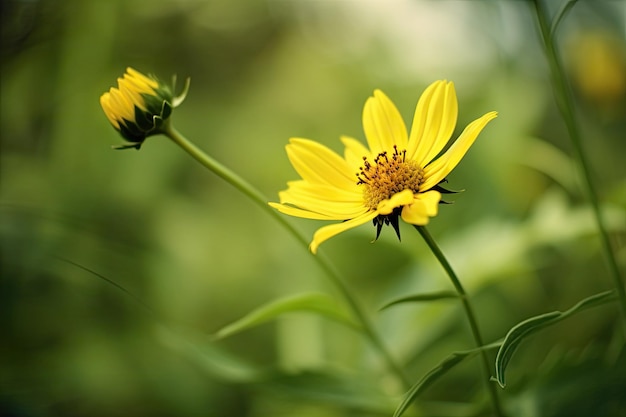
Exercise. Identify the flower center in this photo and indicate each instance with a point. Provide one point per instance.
(389, 174)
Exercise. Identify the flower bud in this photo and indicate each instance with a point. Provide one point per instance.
(140, 106)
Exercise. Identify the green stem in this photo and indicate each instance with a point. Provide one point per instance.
(469, 312)
(565, 103)
(256, 196)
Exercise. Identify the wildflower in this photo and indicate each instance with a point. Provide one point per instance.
(399, 176)
(140, 106)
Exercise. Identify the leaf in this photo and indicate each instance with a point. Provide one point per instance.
(434, 374)
(560, 14)
(439, 295)
(208, 357)
(311, 302)
(521, 331)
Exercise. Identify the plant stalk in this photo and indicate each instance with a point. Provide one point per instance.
(469, 312)
(565, 104)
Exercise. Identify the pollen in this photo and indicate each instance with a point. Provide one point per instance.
(388, 175)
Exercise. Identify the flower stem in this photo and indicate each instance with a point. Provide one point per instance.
(565, 103)
(469, 312)
(257, 197)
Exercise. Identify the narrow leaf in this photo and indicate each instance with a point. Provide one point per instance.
(515, 336)
(519, 332)
(208, 357)
(417, 298)
(312, 302)
(560, 14)
(434, 374)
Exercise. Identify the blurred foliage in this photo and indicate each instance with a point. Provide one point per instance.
(196, 255)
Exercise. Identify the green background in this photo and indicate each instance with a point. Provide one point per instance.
(193, 255)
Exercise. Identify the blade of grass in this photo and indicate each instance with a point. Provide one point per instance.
(420, 298)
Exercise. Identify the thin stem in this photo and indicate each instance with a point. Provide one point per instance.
(565, 103)
(256, 196)
(469, 312)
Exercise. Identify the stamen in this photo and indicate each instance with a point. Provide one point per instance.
(388, 175)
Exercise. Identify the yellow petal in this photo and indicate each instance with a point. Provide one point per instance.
(434, 121)
(420, 117)
(423, 207)
(297, 212)
(132, 93)
(121, 105)
(138, 86)
(355, 152)
(105, 103)
(397, 200)
(318, 164)
(325, 192)
(331, 202)
(142, 78)
(383, 124)
(439, 169)
(326, 232)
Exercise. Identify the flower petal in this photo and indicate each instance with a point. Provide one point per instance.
(109, 111)
(383, 124)
(434, 121)
(326, 232)
(397, 200)
(149, 83)
(305, 214)
(120, 105)
(297, 212)
(318, 164)
(331, 202)
(132, 92)
(424, 206)
(326, 192)
(439, 169)
(355, 152)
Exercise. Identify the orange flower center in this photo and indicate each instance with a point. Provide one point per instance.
(389, 174)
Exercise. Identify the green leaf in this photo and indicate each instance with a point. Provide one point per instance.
(521, 331)
(208, 357)
(417, 298)
(312, 302)
(434, 374)
(560, 14)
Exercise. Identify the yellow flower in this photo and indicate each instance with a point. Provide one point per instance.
(398, 176)
(140, 106)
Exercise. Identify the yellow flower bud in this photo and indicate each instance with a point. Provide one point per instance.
(140, 106)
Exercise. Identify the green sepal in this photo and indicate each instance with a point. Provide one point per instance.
(143, 120)
(131, 132)
(144, 125)
(177, 101)
(445, 190)
(134, 145)
(442, 190)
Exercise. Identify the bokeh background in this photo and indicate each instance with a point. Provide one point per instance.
(79, 220)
